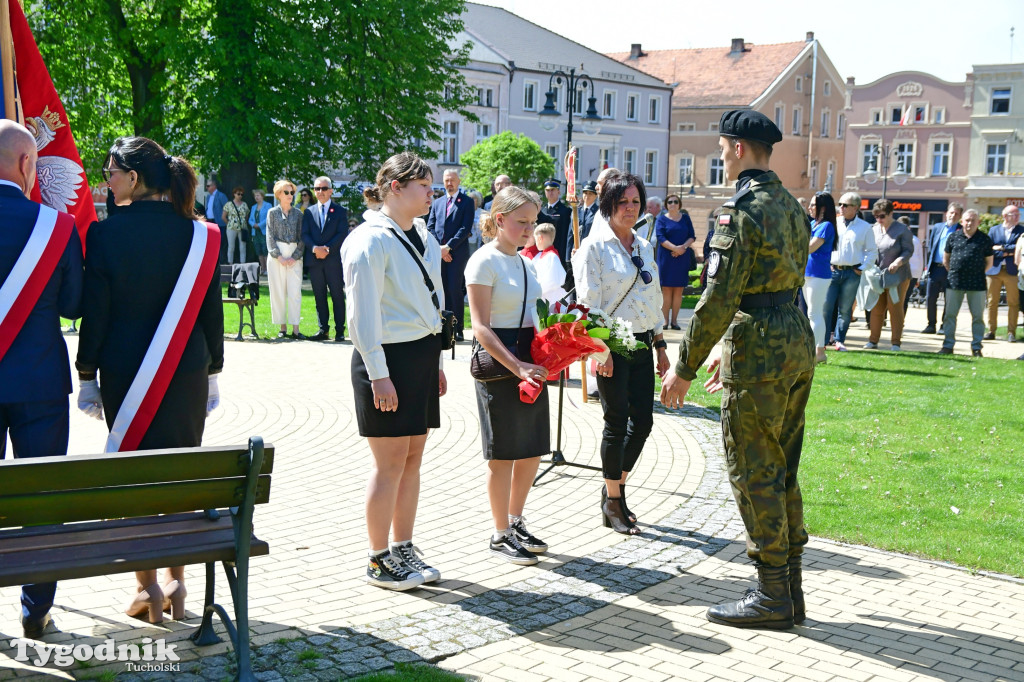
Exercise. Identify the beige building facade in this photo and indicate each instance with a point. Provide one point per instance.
(794, 84)
(995, 94)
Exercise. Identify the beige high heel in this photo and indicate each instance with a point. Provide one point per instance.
(148, 605)
(174, 599)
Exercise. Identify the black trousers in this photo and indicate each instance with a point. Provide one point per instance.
(38, 429)
(453, 275)
(326, 275)
(627, 397)
(938, 280)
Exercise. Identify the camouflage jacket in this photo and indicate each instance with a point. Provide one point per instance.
(760, 245)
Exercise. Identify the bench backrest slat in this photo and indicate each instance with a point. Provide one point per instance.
(50, 474)
(87, 504)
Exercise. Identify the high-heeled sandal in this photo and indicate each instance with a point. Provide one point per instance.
(148, 605)
(629, 515)
(174, 599)
(614, 516)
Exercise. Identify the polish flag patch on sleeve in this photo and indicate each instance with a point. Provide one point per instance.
(724, 219)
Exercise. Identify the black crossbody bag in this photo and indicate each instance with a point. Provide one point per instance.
(447, 316)
(482, 365)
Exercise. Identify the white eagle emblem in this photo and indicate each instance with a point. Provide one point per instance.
(59, 178)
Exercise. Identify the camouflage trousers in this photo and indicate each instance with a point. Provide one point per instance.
(763, 429)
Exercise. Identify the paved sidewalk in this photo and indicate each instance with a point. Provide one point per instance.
(598, 606)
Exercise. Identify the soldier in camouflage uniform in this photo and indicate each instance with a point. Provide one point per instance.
(755, 267)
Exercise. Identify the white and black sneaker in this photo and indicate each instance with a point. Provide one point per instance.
(510, 549)
(408, 556)
(529, 541)
(388, 572)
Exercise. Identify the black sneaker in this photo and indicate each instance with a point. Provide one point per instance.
(408, 556)
(387, 572)
(510, 549)
(529, 542)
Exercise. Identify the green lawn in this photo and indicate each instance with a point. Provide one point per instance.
(916, 453)
(412, 672)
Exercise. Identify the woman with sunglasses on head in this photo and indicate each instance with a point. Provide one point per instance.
(137, 262)
(616, 273)
(284, 267)
(675, 235)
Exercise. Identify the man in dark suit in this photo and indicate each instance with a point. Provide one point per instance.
(558, 213)
(324, 228)
(451, 221)
(35, 375)
(215, 202)
(938, 276)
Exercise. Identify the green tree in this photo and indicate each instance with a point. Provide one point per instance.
(507, 153)
(256, 88)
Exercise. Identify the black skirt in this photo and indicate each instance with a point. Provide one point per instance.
(413, 369)
(509, 428)
(181, 418)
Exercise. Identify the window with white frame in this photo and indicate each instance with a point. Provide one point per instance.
(554, 151)
(869, 157)
(651, 167)
(713, 127)
(1000, 101)
(450, 142)
(632, 107)
(716, 171)
(604, 158)
(530, 95)
(814, 175)
(629, 160)
(905, 157)
(686, 127)
(797, 114)
(579, 102)
(895, 115)
(799, 83)
(875, 117)
(920, 114)
(995, 159)
(654, 110)
(608, 108)
(827, 88)
(831, 176)
(939, 115)
(449, 92)
(840, 126)
(483, 131)
(780, 116)
(940, 158)
(485, 97)
(685, 170)
(826, 122)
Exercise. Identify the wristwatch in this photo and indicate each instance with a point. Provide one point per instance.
(658, 345)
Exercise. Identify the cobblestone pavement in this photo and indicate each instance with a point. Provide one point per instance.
(598, 605)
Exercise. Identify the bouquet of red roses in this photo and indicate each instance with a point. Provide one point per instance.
(567, 333)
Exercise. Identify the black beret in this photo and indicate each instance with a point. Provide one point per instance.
(591, 186)
(552, 183)
(749, 125)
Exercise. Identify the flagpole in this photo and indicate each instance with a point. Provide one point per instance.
(573, 199)
(7, 61)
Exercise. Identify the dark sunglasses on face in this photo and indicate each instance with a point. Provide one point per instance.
(846, 206)
(321, 189)
(106, 172)
(670, 202)
(644, 275)
(287, 191)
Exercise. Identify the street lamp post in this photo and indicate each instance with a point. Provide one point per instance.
(549, 115)
(899, 176)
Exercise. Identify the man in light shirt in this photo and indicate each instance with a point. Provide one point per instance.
(1003, 273)
(938, 276)
(856, 250)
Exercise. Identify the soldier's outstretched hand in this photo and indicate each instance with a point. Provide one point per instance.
(714, 367)
(673, 391)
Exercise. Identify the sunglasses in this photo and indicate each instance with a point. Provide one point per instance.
(321, 189)
(644, 275)
(847, 205)
(669, 203)
(288, 191)
(107, 172)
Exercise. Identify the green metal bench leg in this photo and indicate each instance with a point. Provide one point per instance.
(204, 634)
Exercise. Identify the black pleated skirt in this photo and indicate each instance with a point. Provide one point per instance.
(413, 369)
(509, 428)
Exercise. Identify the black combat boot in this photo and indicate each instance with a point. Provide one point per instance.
(796, 589)
(769, 606)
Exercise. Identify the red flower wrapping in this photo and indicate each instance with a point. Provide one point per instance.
(557, 347)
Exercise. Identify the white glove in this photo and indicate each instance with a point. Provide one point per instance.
(89, 400)
(213, 401)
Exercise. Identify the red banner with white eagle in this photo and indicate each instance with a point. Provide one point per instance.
(61, 182)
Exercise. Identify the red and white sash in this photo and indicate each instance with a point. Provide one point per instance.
(21, 290)
(161, 359)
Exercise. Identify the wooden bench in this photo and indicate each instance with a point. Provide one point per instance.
(135, 511)
(243, 305)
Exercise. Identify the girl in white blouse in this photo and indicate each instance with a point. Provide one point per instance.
(616, 273)
(503, 292)
(396, 369)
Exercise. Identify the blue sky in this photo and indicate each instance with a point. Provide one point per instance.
(866, 39)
